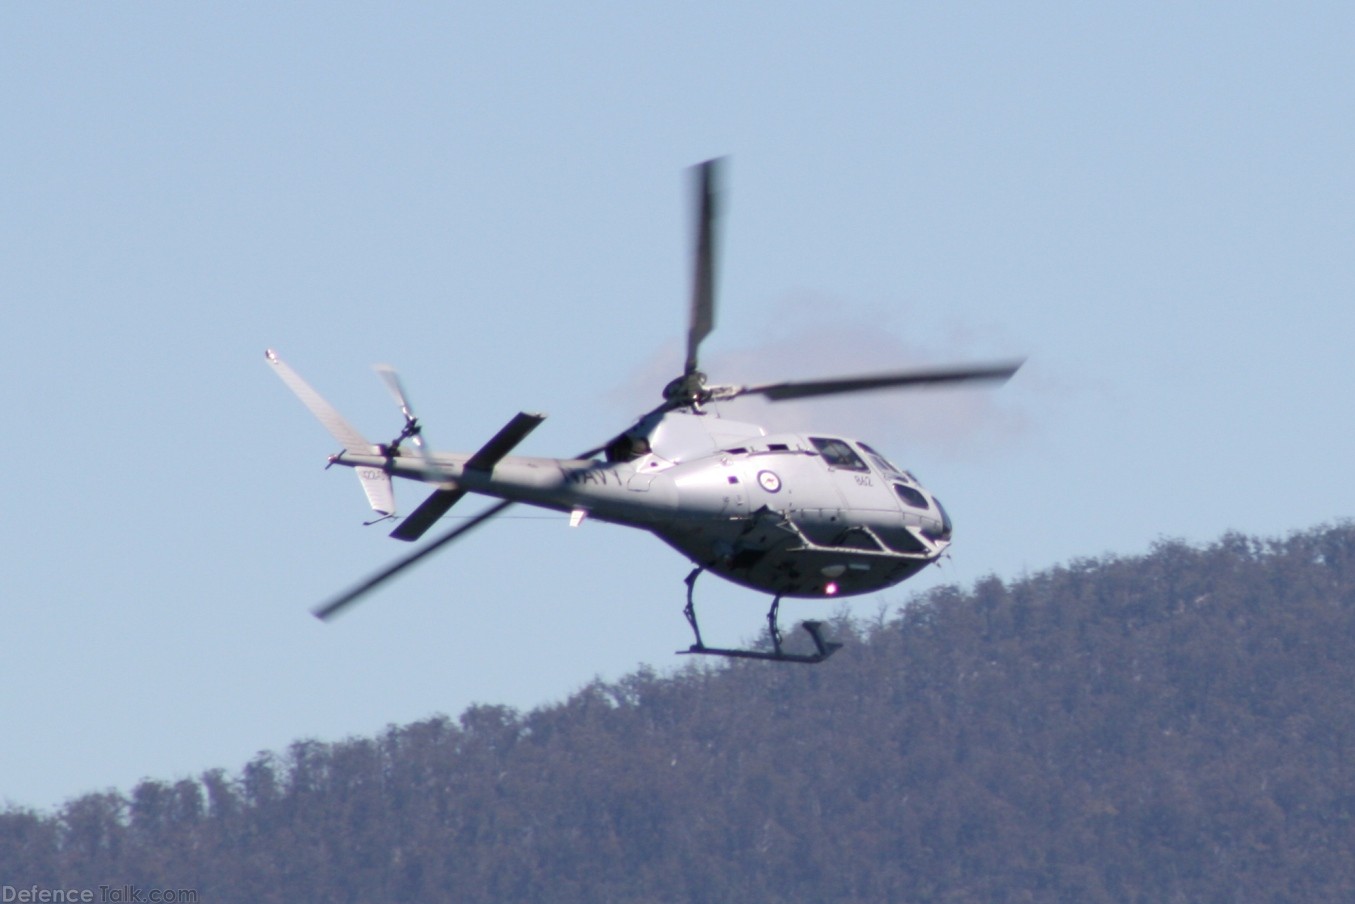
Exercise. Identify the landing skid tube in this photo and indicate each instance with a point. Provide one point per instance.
(823, 647)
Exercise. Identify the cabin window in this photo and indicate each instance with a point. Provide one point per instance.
(838, 454)
(911, 496)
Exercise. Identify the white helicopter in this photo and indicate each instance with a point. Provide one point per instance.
(794, 515)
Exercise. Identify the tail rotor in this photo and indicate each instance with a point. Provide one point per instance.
(413, 430)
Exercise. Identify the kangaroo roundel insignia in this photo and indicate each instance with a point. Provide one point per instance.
(769, 481)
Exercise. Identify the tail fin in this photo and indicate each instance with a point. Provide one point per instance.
(376, 483)
(347, 435)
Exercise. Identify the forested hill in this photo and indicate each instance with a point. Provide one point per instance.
(1174, 727)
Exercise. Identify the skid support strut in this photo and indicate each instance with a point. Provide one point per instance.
(690, 611)
(772, 628)
(823, 648)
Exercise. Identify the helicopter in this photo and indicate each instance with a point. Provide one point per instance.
(799, 515)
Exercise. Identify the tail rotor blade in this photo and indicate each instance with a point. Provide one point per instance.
(397, 390)
(413, 431)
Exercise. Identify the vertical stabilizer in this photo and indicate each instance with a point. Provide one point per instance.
(329, 418)
(376, 483)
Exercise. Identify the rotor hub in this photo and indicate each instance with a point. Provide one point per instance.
(688, 389)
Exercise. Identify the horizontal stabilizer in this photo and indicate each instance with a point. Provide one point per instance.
(440, 501)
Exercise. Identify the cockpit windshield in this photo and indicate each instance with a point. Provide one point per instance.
(880, 461)
(838, 454)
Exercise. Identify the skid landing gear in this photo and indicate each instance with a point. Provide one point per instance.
(823, 647)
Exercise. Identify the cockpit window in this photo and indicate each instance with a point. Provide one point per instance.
(838, 454)
(911, 496)
(627, 447)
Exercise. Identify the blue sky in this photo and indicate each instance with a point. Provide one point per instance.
(1153, 203)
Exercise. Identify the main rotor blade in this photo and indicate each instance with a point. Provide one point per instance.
(702, 316)
(780, 392)
(334, 606)
(417, 522)
(331, 608)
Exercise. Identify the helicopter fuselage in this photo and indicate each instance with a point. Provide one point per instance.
(790, 514)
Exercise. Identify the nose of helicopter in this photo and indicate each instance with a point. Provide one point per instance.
(931, 517)
(938, 529)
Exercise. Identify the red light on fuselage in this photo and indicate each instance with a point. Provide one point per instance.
(830, 588)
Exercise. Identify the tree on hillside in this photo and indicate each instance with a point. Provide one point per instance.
(1174, 726)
